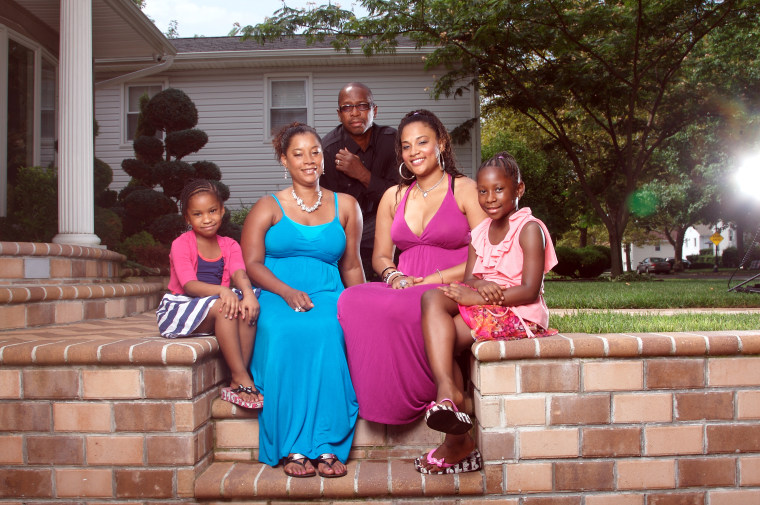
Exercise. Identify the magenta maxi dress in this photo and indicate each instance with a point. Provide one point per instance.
(382, 326)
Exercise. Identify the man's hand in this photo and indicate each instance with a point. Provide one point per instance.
(351, 165)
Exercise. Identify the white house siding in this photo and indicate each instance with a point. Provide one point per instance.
(231, 111)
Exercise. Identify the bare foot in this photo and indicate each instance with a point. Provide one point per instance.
(299, 465)
(246, 381)
(454, 449)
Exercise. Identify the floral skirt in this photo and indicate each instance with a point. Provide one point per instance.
(494, 322)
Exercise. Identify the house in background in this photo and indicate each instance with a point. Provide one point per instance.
(695, 239)
(69, 62)
(244, 91)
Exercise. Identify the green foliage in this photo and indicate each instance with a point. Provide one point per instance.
(102, 176)
(237, 216)
(145, 250)
(148, 149)
(568, 261)
(592, 262)
(33, 206)
(171, 110)
(167, 227)
(658, 294)
(181, 143)
(608, 83)
(107, 227)
(616, 322)
(159, 163)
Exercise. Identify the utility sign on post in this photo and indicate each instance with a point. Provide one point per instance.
(716, 238)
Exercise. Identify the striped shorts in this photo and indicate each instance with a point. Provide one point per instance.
(180, 315)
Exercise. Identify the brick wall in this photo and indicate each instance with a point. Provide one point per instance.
(105, 418)
(666, 419)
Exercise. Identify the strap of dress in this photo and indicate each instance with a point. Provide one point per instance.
(335, 194)
(278, 203)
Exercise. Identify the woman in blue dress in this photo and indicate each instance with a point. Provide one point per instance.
(301, 247)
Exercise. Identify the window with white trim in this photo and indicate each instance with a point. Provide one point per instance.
(132, 94)
(288, 100)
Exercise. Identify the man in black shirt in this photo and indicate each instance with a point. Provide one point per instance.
(360, 159)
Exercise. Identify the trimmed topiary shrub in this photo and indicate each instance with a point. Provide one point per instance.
(150, 201)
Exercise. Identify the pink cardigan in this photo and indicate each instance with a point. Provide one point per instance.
(184, 260)
(502, 263)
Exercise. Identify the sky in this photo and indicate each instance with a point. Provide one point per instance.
(216, 19)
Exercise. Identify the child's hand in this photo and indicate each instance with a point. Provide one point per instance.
(463, 295)
(249, 307)
(230, 303)
(490, 291)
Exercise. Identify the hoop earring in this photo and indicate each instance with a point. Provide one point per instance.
(402, 175)
(441, 163)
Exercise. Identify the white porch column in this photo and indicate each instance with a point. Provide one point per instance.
(76, 217)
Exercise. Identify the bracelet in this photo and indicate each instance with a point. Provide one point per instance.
(384, 269)
(386, 276)
(392, 275)
(441, 275)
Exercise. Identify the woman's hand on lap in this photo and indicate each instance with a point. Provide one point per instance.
(298, 300)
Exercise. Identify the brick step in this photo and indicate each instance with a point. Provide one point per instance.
(23, 306)
(381, 465)
(30, 263)
(366, 480)
(237, 436)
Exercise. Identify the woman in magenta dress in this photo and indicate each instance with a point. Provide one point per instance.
(428, 217)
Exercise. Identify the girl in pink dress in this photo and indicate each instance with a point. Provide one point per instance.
(501, 299)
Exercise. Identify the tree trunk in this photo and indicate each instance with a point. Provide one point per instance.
(628, 266)
(678, 246)
(616, 253)
(584, 237)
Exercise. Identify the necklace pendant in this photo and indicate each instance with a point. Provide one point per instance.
(424, 194)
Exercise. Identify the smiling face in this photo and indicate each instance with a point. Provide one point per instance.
(497, 193)
(419, 148)
(303, 158)
(355, 121)
(204, 214)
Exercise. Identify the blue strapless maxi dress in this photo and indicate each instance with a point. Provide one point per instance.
(299, 358)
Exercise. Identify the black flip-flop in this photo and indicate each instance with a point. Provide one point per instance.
(329, 460)
(298, 459)
(441, 417)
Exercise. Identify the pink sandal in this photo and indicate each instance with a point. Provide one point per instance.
(471, 463)
(232, 396)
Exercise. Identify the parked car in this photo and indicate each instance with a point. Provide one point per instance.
(686, 263)
(653, 265)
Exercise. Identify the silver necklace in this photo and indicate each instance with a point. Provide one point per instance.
(300, 203)
(425, 192)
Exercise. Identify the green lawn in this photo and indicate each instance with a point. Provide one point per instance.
(658, 294)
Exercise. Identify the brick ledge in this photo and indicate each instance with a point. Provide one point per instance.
(622, 345)
(125, 341)
(39, 293)
(47, 249)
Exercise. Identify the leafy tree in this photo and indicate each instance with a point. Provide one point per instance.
(609, 82)
(686, 191)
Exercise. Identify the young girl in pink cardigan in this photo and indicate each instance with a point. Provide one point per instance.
(501, 299)
(204, 267)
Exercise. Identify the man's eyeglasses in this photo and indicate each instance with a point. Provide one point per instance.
(364, 106)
